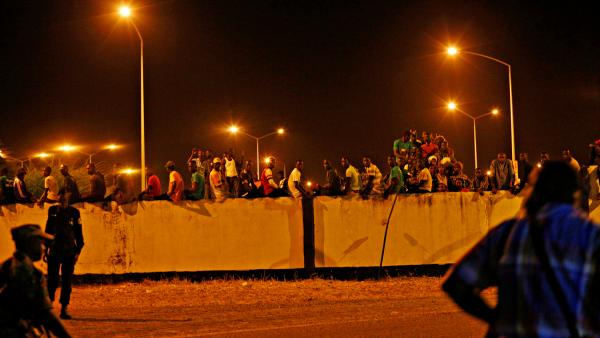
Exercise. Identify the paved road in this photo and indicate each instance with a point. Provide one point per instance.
(329, 309)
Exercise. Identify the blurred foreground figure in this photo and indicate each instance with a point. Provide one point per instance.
(25, 310)
(545, 266)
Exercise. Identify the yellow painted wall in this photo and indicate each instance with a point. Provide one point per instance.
(189, 236)
(424, 229)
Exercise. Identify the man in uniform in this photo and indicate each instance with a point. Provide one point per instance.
(64, 223)
(25, 310)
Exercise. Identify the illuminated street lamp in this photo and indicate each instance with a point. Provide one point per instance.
(452, 106)
(233, 129)
(67, 148)
(453, 51)
(126, 12)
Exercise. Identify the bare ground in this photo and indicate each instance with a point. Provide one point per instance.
(399, 307)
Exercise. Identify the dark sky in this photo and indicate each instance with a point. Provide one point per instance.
(340, 76)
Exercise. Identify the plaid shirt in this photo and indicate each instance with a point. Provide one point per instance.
(526, 304)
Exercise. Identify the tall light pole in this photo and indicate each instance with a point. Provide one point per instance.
(452, 51)
(235, 130)
(451, 106)
(125, 12)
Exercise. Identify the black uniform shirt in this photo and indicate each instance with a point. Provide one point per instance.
(65, 225)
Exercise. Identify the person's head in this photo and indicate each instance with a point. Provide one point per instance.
(479, 172)
(391, 161)
(64, 198)
(458, 168)
(555, 182)
(425, 136)
(91, 168)
(299, 164)
(248, 165)
(326, 164)
(216, 163)
(433, 161)
(192, 168)
(523, 157)
(170, 166)
(406, 136)
(64, 169)
(271, 162)
(501, 157)
(4, 172)
(29, 239)
(413, 137)
(280, 175)
(566, 154)
(544, 156)
(21, 173)
(345, 162)
(366, 161)
(47, 171)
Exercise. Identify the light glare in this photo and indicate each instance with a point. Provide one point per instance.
(452, 50)
(112, 146)
(233, 129)
(67, 148)
(280, 131)
(495, 111)
(42, 155)
(125, 11)
(451, 105)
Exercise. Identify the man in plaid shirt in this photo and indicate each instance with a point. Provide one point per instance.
(528, 304)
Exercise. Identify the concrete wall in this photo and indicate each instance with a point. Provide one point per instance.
(424, 229)
(268, 233)
(189, 236)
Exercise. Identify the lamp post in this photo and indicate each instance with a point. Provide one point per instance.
(125, 12)
(451, 106)
(452, 51)
(235, 130)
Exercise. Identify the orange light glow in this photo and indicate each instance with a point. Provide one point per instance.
(125, 11)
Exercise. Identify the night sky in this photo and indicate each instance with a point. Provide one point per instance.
(343, 77)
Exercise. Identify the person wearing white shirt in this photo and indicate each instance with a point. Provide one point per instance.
(50, 194)
(294, 181)
(373, 176)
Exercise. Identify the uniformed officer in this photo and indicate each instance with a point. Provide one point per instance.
(64, 223)
(25, 310)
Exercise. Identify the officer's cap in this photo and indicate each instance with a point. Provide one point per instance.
(27, 231)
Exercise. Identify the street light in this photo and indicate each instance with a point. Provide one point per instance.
(233, 129)
(67, 148)
(453, 51)
(126, 12)
(452, 106)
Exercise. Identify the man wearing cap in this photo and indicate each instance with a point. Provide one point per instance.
(64, 223)
(175, 191)
(25, 310)
(217, 183)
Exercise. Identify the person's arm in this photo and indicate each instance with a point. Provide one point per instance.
(44, 196)
(300, 188)
(77, 229)
(468, 298)
(347, 183)
(391, 187)
(194, 187)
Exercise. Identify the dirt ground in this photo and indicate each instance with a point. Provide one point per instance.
(399, 307)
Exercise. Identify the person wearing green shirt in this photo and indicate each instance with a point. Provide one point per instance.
(394, 182)
(402, 143)
(197, 190)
